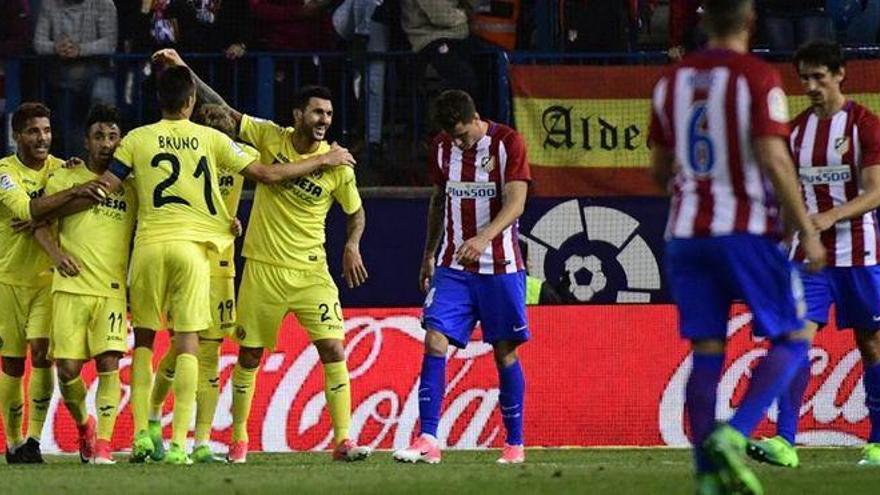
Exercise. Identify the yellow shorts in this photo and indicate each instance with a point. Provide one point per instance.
(27, 313)
(222, 308)
(171, 281)
(268, 293)
(86, 326)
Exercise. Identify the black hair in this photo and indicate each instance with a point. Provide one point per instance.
(453, 107)
(820, 53)
(102, 113)
(26, 111)
(306, 93)
(174, 87)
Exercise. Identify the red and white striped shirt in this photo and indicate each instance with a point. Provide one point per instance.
(708, 109)
(830, 154)
(474, 182)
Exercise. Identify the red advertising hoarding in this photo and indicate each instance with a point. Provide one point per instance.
(596, 375)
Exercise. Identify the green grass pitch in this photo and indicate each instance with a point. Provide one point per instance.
(593, 471)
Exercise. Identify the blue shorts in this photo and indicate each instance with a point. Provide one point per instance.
(854, 291)
(458, 299)
(706, 275)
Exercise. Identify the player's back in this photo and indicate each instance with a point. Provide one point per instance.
(175, 164)
(708, 109)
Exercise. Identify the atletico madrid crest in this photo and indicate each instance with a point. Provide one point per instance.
(841, 145)
(487, 164)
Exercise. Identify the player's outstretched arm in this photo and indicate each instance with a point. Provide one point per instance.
(169, 57)
(662, 166)
(432, 237)
(867, 200)
(75, 199)
(274, 174)
(774, 158)
(513, 205)
(353, 268)
(45, 237)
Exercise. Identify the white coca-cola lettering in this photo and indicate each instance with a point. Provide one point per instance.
(826, 404)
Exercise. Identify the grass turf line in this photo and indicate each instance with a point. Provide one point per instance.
(596, 471)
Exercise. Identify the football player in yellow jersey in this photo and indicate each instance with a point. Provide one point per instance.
(222, 308)
(25, 277)
(286, 269)
(89, 315)
(181, 218)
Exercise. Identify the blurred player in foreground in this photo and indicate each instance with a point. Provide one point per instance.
(719, 127)
(836, 146)
(481, 177)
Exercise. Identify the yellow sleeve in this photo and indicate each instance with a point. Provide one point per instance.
(13, 196)
(125, 151)
(230, 155)
(346, 192)
(255, 131)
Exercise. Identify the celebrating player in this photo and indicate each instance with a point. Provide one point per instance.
(836, 146)
(481, 178)
(718, 131)
(181, 218)
(25, 277)
(222, 309)
(89, 315)
(286, 269)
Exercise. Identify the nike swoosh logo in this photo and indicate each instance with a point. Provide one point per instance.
(509, 408)
(520, 329)
(338, 387)
(876, 318)
(106, 408)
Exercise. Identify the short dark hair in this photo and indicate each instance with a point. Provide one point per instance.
(820, 53)
(26, 111)
(217, 117)
(726, 17)
(306, 93)
(102, 113)
(174, 87)
(452, 107)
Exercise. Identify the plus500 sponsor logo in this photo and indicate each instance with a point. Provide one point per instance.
(814, 176)
(471, 190)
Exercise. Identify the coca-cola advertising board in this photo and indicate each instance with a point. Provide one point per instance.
(596, 375)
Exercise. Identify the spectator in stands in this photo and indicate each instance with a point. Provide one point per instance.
(294, 25)
(78, 32)
(597, 25)
(358, 22)
(685, 34)
(15, 36)
(439, 33)
(856, 21)
(787, 24)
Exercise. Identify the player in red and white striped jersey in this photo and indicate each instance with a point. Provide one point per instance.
(481, 177)
(836, 147)
(718, 133)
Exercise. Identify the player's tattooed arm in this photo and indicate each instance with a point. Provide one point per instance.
(274, 174)
(353, 268)
(512, 206)
(169, 57)
(432, 237)
(45, 237)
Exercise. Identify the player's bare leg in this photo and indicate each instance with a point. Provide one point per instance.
(107, 404)
(512, 393)
(40, 389)
(337, 391)
(141, 384)
(243, 381)
(12, 406)
(426, 448)
(868, 343)
(73, 391)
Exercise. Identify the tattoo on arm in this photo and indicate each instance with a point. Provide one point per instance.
(206, 94)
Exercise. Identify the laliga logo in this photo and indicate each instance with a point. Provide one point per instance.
(827, 404)
(597, 250)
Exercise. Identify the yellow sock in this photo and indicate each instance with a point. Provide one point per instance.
(40, 388)
(74, 395)
(11, 407)
(208, 392)
(141, 380)
(242, 395)
(107, 403)
(185, 383)
(162, 384)
(337, 391)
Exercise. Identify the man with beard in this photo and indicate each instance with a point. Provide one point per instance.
(25, 277)
(286, 269)
(88, 289)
